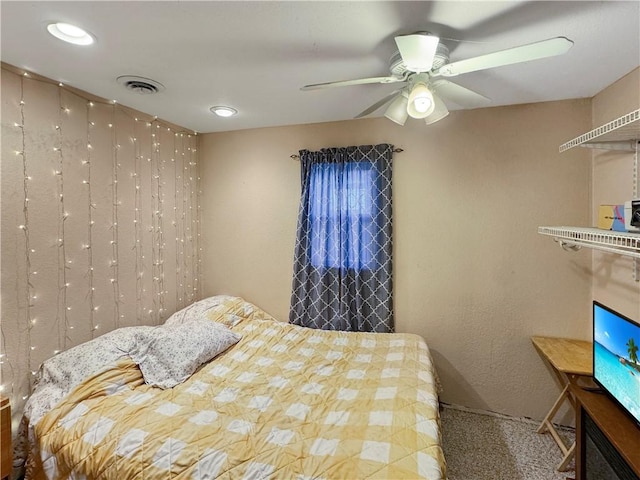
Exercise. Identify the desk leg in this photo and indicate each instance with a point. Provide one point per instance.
(547, 425)
(567, 458)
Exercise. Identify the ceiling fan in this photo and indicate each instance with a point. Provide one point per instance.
(420, 64)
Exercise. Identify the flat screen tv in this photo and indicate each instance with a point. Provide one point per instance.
(616, 357)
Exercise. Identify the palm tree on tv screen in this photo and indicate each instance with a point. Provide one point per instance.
(632, 348)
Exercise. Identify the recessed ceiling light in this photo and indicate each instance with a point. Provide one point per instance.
(222, 111)
(70, 33)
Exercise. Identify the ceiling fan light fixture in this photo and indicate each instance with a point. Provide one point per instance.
(397, 110)
(223, 111)
(440, 111)
(421, 103)
(70, 33)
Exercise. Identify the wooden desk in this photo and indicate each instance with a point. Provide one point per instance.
(570, 359)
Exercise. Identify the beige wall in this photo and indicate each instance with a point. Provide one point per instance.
(613, 279)
(79, 266)
(472, 276)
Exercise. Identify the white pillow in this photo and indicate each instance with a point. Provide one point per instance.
(225, 309)
(169, 355)
(223, 304)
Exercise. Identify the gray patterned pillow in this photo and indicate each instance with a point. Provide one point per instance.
(60, 374)
(169, 355)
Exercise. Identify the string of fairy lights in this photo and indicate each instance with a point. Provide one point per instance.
(160, 168)
(196, 244)
(80, 287)
(186, 216)
(158, 243)
(90, 206)
(115, 167)
(153, 160)
(61, 310)
(185, 229)
(193, 189)
(26, 178)
(174, 222)
(137, 225)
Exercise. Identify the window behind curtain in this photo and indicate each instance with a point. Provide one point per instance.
(342, 200)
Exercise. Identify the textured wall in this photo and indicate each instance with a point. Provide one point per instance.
(472, 276)
(613, 279)
(99, 222)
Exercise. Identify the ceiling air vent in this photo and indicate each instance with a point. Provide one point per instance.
(141, 85)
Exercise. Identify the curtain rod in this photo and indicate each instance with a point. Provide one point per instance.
(395, 150)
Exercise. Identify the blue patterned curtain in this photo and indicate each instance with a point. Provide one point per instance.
(342, 269)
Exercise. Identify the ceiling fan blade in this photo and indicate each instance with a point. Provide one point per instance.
(359, 81)
(459, 95)
(417, 51)
(378, 104)
(524, 53)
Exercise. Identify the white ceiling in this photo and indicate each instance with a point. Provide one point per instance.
(255, 56)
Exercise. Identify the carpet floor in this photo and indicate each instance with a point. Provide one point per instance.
(481, 446)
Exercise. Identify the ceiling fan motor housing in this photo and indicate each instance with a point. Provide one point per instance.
(399, 69)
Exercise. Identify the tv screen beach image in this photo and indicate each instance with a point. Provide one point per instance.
(616, 358)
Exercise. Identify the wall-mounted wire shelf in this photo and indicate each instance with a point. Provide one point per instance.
(622, 243)
(620, 134)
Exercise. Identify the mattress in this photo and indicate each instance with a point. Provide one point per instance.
(284, 402)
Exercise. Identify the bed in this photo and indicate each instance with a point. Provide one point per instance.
(279, 401)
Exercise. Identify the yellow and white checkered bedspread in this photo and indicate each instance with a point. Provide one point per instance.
(285, 402)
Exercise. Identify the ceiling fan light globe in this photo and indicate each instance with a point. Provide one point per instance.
(436, 117)
(421, 102)
(440, 111)
(433, 118)
(397, 110)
